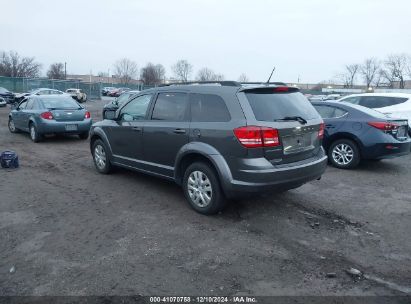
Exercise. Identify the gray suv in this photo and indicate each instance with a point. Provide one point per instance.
(216, 141)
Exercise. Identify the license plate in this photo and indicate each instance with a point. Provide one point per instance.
(71, 127)
(297, 143)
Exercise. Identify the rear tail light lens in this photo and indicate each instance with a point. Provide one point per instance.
(256, 137)
(281, 89)
(87, 115)
(384, 126)
(47, 115)
(321, 131)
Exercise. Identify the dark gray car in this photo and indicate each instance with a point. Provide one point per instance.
(217, 142)
(40, 115)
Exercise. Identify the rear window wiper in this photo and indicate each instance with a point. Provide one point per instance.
(293, 118)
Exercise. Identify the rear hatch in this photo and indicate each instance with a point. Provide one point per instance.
(295, 120)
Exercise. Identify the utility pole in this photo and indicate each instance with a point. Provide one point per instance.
(65, 70)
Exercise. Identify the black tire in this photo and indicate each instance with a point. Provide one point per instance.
(34, 134)
(12, 127)
(216, 201)
(106, 168)
(83, 135)
(349, 157)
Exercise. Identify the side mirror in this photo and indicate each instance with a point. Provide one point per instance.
(110, 114)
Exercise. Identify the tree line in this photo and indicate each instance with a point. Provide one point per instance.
(153, 74)
(376, 73)
(373, 72)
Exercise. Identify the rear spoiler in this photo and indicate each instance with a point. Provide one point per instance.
(269, 89)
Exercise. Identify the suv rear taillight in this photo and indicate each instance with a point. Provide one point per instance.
(87, 115)
(47, 115)
(321, 131)
(256, 137)
(384, 126)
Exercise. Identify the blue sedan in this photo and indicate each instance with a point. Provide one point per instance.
(354, 132)
(41, 115)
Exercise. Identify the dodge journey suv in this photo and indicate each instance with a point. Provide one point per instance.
(217, 141)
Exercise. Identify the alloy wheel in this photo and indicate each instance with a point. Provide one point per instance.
(343, 154)
(100, 157)
(199, 189)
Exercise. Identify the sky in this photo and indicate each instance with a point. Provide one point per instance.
(310, 40)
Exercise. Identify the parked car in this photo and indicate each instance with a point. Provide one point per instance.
(354, 132)
(317, 97)
(117, 92)
(77, 94)
(217, 142)
(50, 114)
(392, 104)
(332, 97)
(115, 104)
(105, 90)
(40, 91)
(6, 95)
(3, 102)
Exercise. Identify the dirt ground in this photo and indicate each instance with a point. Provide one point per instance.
(68, 230)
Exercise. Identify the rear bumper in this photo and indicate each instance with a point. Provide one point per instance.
(279, 178)
(387, 150)
(60, 127)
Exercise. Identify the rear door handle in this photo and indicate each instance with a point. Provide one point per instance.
(329, 126)
(179, 131)
(137, 129)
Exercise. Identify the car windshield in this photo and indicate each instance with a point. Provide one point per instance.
(60, 103)
(3, 90)
(270, 107)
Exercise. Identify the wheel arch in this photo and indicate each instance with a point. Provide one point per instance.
(344, 135)
(98, 133)
(197, 151)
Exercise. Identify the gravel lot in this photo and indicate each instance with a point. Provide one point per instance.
(68, 230)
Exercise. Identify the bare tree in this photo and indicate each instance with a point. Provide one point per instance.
(243, 78)
(182, 70)
(56, 71)
(126, 70)
(369, 70)
(12, 65)
(351, 71)
(206, 74)
(396, 66)
(153, 74)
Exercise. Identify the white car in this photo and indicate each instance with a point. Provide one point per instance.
(77, 94)
(396, 105)
(3, 102)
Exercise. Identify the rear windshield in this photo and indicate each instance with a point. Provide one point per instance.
(269, 107)
(369, 111)
(60, 103)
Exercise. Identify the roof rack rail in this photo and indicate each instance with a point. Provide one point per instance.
(222, 83)
(265, 83)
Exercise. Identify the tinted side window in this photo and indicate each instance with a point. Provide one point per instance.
(208, 107)
(325, 111)
(330, 112)
(136, 109)
(380, 101)
(339, 113)
(171, 107)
